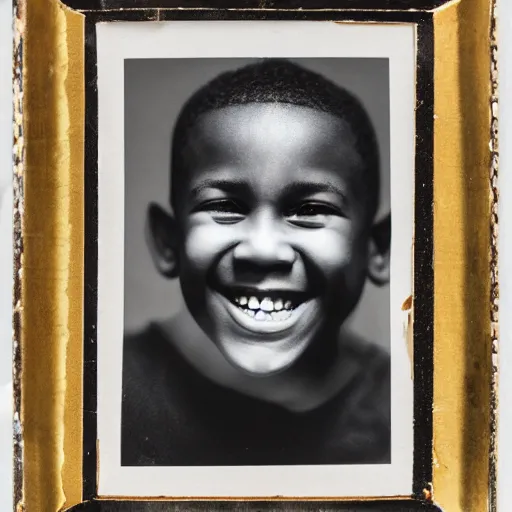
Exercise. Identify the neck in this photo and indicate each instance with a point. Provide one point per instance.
(313, 380)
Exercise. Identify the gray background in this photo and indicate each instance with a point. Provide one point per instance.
(155, 90)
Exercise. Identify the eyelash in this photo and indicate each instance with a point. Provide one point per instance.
(311, 214)
(229, 211)
(318, 209)
(222, 205)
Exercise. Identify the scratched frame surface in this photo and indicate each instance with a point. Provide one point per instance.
(446, 29)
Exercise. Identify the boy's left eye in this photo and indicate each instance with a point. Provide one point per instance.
(311, 215)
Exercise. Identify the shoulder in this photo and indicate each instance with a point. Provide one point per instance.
(140, 344)
(374, 371)
(368, 401)
(146, 346)
(147, 356)
(147, 365)
(372, 360)
(139, 360)
(142, 340)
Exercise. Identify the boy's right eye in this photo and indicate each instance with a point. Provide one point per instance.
(223, 211)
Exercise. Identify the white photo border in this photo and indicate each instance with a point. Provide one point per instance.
(220, 39)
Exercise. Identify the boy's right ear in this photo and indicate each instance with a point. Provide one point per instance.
(162, 237)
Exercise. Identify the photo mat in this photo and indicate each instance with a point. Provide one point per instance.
(138, 273)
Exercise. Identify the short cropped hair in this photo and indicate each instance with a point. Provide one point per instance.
(279, 81)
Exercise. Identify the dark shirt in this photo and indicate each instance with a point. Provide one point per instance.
(173, 416)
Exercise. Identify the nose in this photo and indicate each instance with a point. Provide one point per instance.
(264, 243)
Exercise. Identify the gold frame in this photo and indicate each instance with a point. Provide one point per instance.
(49, 89)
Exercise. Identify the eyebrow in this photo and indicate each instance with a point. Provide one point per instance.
(234, 185)
(227, 185)
(312, 187)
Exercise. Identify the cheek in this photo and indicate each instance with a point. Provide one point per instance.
(337, 254)
(331, 248)
(203, 244)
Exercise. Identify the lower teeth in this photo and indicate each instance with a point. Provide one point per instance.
(266, 316)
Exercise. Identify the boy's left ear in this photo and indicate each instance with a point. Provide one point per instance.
(379, 256)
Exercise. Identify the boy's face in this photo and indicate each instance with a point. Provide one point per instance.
(275, 228)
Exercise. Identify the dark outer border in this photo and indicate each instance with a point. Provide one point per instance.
(89, 466)
(423, 264)
(256, 506)
(423, 259)
(143, 5)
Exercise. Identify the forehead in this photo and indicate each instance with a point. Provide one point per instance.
(265, 126)
(271, 144)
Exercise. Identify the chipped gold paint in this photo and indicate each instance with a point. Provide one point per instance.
(407, 304)
(52, 287)
(52, 227)
(462, 338)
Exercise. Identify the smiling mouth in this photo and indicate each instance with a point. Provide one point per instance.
(265, 306)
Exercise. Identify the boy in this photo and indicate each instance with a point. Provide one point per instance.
(274, 190)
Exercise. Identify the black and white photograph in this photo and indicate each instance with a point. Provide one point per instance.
(255, 245)
(270, 234)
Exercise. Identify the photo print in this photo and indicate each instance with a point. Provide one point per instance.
(250, 338)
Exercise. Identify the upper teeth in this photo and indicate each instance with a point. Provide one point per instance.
(266, 304)
(254, 303)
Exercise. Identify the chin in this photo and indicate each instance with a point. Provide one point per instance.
(262, 359)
